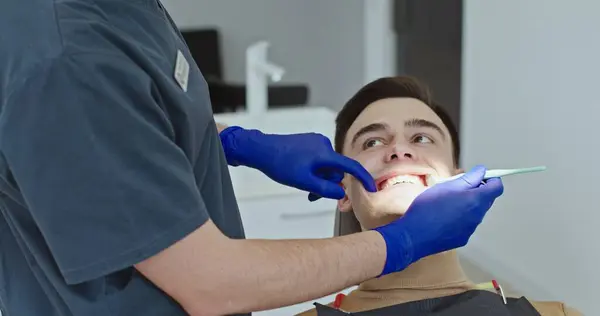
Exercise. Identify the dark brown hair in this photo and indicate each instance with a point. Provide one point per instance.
(391, 87)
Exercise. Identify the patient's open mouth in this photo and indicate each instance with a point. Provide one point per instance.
(401, 179)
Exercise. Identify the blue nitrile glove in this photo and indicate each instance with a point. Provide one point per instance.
(440, 219)
(303, 161)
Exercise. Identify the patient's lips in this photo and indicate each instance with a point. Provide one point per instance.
(396, 179)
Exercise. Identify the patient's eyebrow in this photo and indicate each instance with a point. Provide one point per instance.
(424, 123)
(375, 127)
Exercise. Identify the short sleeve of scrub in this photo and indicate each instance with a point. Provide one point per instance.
(96, 160)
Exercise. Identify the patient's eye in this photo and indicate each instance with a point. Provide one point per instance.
(422, 139)
(372, 143)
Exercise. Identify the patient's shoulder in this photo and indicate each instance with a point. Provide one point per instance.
(554, 308)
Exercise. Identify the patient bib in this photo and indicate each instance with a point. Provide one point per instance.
(477, 303)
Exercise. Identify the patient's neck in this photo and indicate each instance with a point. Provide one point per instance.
(442, 271)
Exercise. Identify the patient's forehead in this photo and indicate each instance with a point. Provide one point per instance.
(393, 112)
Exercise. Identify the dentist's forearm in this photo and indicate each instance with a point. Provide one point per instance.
(210, 274)
(274, 273)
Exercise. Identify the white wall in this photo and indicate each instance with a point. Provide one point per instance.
(531, 83)
(318, 42)
(379, 46)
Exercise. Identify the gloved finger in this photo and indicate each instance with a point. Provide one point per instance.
(469, 180)
(313, 197)
(330, 174)
(493, 188)
(352, 167)
(325, 189)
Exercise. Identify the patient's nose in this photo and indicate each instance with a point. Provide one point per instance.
(399, 153)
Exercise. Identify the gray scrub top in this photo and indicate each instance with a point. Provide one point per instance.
(105, 157)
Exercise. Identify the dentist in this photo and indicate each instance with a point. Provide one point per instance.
(114, 187)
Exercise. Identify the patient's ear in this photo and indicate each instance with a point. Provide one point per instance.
(344, 205)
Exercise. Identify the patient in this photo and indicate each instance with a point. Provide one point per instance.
(392, 127)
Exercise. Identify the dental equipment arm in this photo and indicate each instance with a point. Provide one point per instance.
(494, 173)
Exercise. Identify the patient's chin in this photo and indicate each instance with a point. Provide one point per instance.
(380, 219)
(394, 206)
(391, 211)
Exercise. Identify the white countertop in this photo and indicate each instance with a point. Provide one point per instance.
(285, 120)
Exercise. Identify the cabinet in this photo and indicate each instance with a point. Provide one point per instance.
(287, 217)
(272, 211)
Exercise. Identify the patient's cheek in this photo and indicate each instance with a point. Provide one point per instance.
(444, 170)
(369, 160)
(357, 198)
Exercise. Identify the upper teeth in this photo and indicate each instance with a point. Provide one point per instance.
(400, 179)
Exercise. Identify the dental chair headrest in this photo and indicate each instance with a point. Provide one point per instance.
(345, 223)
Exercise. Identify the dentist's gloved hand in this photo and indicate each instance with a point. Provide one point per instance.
(441, 218)
(304, 161)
